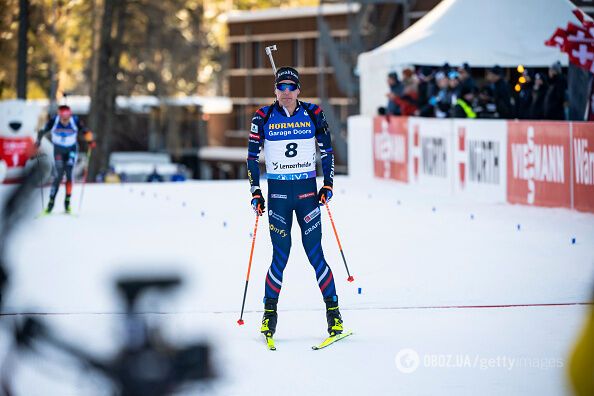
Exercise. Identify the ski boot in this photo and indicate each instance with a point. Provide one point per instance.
(67, 205)
(270, 316)
(333, 316)
(50, 206)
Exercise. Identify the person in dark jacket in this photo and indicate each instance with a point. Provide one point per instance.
(501, 92)
(485, 107)
(524, 96)
(465, 77)
(396, 89)
(441, 100)
(554, 101)
(463, 107)
(539, 90)
(426, 90)
(154, 177)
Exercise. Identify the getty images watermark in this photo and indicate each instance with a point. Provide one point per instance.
(408, 361)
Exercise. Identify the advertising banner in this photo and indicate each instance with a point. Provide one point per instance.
(480, 152)
(390, 151)
(538, 163)
(431, 163)
(582, 146)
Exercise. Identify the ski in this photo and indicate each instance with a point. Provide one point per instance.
(43, 214)
(270, 343)
(331, 340)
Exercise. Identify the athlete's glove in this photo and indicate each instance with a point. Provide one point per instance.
(325, 195)
(258, 202)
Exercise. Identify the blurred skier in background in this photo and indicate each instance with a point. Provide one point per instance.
(64, 130)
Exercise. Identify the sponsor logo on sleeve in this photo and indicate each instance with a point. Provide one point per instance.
(254, 128)
(312, 215)
(306, 195)
(278, 196)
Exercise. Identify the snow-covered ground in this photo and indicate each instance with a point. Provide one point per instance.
(426, 267)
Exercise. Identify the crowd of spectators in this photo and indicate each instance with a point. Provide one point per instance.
(449, 92)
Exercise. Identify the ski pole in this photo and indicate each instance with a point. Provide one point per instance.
(351, 277)
(85, 174)
(268, 51)
(247, 279)
(39, 172)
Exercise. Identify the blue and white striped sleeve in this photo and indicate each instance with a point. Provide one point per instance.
(255, 143)
(325, 143)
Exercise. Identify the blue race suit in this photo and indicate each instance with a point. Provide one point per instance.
(289, 143)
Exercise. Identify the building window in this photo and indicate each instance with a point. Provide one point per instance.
(296, 53)
(238, 56)
(240, 117)
(257, 54)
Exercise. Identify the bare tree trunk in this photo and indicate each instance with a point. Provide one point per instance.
(53, 71)
(22, 49)
(102, 115)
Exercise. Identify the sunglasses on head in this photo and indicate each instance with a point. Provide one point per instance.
(282, 86)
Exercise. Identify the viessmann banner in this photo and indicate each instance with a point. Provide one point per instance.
(582, 146)
(537, 163)
(390, 158)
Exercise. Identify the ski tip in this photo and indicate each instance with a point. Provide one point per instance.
(240, 322)
(351, 278)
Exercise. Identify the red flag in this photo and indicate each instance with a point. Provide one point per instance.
(557, 39)
(576, 41)
(584, 18)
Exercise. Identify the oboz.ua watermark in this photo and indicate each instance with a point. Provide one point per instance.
(408, 361)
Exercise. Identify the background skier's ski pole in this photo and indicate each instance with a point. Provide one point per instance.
(247, 278)
(351, 277)
(85, 174)
(40, 181)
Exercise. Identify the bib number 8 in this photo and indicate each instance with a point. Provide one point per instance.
(291, 150)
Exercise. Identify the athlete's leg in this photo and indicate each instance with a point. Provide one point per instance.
(72, 154)
(310, 220)
(280, 218)
(59, 163)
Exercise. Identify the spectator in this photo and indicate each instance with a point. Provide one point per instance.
(100, 176)
(154, 176)
(539, 90)
(466, 79)
(111, 176)
(524, 97)
(554, 101)
(408, 101)
(463, 106)
(396, 89)
(179, 175)
(426, 90)
(501, 92)
(454, 86)
(441, 101)
(486, 107)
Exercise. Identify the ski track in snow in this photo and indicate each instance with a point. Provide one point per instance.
(448, 279)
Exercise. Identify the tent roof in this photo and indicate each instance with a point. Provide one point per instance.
(482, 33)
